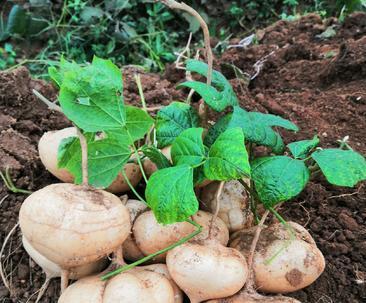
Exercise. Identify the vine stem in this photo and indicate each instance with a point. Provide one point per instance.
(131, 186)
(137, 157)
(51, 105)
(153, 255)
(206, 33)
(253, 247)
(217, 198)
(84, 156)
(141, 92)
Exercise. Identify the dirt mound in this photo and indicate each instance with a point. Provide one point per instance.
(319, 83)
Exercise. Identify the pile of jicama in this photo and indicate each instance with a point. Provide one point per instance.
(80, 233)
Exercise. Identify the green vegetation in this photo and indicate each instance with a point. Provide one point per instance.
(143, 32)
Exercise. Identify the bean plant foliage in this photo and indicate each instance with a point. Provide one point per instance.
(91, 97)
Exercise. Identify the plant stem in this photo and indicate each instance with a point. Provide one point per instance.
(255, 239)
(51, 105)
(218, 195)
(253, 204)
(151, 256)
(84, 157)
(141, 93)
(137, 157)
(131, 187)
(10, 185)
(206, 34)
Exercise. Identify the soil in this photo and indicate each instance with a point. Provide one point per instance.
(318, 83)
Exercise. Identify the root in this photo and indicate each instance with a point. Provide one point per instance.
(43, 289)
(64, 279)
(118, 257)
(2, 273)
(250, 285)
(218, 195)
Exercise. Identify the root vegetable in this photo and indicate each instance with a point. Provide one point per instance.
(151, 237)
(136, 285)
(130, 250)
(246, 297)
(282, 264)
(48, 150)
(150, 167)
(206, 270)
(163, 269)
(234, 206)
(73, 225)
(52, 270)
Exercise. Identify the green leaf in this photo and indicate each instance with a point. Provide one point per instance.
(278, 179)
(218, 96)
(17, 20)
(57, 75)
(156, 156)
(101, 82)
(227, 157)
(170, 194)
(256, 128)
(106, 159)
(138, 123)
(172, 120)
(301, 149)
(217, 129)
(341, 167)
(188, 147)
(208, 93)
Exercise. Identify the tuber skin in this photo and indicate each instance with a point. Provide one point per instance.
(135, 285)
(52, 270)
(48, 150)
(151, 237)
(73, 225)
(131, 251)
(282, 264)
(206, 269)
(247, 297)
(163, 270)
(234, 204)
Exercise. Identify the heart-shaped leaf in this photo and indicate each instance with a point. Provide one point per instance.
(188, 147)
(278, 179)
(170, 194)
(301, 149)
(92, 98)
(227, 157)
(341, 167)
(106, 159)
(172, 120)
(138, 123)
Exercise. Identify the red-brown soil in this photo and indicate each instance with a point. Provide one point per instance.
(320, 84)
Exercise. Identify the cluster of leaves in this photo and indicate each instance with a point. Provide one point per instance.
(141, 32)
(91, 97)
(127, 31)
